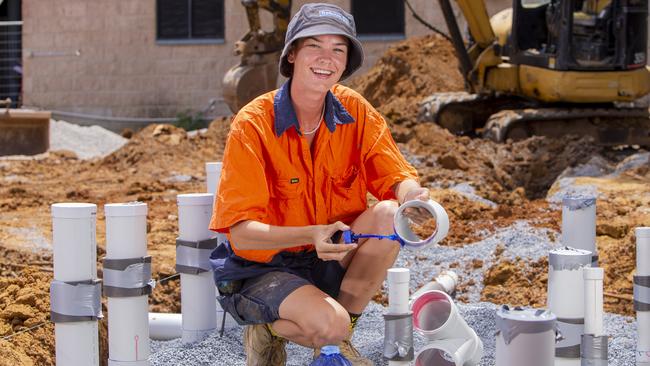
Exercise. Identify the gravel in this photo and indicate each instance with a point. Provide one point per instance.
(368, 338)
(519, 240)
(87, 142)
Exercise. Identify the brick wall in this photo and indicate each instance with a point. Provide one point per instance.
(101, 57)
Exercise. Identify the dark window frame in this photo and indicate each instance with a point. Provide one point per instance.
(217, 39)
(364, 34)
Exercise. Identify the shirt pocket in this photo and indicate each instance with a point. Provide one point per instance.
(287, 189)
(346, 195)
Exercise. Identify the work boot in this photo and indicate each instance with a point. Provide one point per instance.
(263, 348)
(349, 352)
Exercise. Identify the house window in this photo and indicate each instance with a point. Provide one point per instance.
(189, 20)
(378, 17)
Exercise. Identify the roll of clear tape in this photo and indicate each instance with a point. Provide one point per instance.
(402, 224)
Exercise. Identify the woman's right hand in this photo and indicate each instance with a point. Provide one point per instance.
(325, 249)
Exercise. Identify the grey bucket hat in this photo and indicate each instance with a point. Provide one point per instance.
(318, 19)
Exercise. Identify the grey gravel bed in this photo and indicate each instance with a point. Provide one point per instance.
(519, 240)
(368, 338)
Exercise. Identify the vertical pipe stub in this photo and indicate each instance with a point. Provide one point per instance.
(566, 299)
(194, 245)
(642, 295)
(75, 292)
(127, 283)
(579, 224)
(212, 175)
(398, 322)
(525, 337)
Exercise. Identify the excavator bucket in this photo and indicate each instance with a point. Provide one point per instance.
(244, 82)
(24, 132)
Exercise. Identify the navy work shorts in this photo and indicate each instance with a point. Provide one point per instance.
(263, 286)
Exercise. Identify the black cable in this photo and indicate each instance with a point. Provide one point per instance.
(425, 23)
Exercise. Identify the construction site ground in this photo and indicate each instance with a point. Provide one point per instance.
(485, 187)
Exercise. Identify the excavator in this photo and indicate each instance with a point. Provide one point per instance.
(541, 67)
(551, 68)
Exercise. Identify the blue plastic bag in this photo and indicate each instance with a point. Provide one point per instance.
(330, 356)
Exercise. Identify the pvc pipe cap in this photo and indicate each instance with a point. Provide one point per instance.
(213, 167)
(593, 273)
(398, 275)
(642, 232)
(74, 210)
(195, 199)
(125, 209)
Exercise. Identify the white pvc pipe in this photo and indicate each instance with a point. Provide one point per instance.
(566, 298)
(75, 259)
(128, 324)
(398, 298)
(212, 175)
(446, 282)
(453, 342)
(166, 326)
(398, 290)
(643, 317)
(593, 278)
(198, 292)
(579, 224)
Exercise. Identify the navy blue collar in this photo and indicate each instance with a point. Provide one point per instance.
(285, 115)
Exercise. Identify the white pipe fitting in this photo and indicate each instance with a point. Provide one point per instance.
(579, 225)
(402, 225)
(642, 295)
(445, 282)
(128, 325)
(212, 175)
(75, 260)
(525, 337)
(198, 292)
(398, 341)
(566, 300)
(453, 342)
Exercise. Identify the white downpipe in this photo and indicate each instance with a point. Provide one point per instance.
(593, 278)
(398, 299)
(453, 342)
(579, 224)
(643, 316)
(128, 325)
(75, 259)
(525, 337)
(198, 292)
(566, 300)
(445, 282)
(212, 176)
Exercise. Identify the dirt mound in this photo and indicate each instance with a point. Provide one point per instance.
(407, 72)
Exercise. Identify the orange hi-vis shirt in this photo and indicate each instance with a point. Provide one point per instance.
(271, 175)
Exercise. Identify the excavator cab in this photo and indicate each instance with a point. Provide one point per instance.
(584, 35)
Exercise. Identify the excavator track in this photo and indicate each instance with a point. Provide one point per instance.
(607, 126)
(463, 113)
(500, 118)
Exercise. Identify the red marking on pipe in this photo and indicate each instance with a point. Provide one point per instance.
(136, 346)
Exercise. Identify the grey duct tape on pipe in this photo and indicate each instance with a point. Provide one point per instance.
(569, 259)
(398, 337)
(511, 323)
(75, 301)
(642, 293)
(128, 277)
(571, 330)
(593, 350)
(193, 257)
(578, 203)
